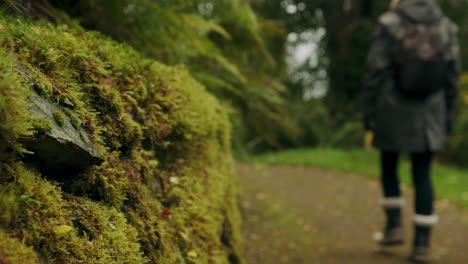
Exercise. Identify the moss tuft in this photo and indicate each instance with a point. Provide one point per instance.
(75, 121)
(41, 126)
(14, 117)
(59, 118)
(12, 251)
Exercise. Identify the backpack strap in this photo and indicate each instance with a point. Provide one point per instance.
(450, 37)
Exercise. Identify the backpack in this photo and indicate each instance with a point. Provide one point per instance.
(420, 66)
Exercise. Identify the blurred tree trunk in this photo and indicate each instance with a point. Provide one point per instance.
(349, 25)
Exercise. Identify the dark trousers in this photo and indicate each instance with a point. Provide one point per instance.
(421, 172)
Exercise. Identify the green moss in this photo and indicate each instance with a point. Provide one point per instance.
(153, 123)
(12, 251)
(41, 126)
(75, 121)
(99, 235)
(59, 118)
(14, 122)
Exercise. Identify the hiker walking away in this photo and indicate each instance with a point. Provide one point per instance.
(409, 96)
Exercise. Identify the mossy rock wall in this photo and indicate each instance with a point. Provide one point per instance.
(166, 192)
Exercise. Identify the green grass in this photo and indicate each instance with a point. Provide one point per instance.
(451, 183)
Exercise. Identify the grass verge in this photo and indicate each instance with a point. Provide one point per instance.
(451, 183)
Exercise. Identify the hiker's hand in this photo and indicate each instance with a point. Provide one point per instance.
(368, 138)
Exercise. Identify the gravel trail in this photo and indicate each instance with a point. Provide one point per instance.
(305, 216)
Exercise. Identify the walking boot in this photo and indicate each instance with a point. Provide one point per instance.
(420, 253)
(422, 238)
(393, 232)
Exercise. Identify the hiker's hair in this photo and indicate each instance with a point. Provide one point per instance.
(394, 3)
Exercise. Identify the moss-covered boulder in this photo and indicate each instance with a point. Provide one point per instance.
(165, 192)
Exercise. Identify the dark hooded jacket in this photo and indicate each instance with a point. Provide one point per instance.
(400, 123)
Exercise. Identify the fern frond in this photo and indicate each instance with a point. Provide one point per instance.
(13, 5)
(203, 26)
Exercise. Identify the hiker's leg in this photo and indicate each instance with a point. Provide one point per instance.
(392, 201)
(424, 217)
(390, 180)
(421, 167)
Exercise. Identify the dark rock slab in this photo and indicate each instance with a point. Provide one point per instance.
(63, 147)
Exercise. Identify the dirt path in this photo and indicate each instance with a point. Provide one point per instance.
(306, 216)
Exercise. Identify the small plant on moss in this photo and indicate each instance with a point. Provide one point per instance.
(59, 118)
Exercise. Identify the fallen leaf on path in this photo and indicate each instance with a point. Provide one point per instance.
(378, 236)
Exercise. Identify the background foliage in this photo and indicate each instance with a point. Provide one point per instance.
(241, 51)
(340, 32)
(223, 43)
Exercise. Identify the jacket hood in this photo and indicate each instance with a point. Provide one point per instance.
(420, 11)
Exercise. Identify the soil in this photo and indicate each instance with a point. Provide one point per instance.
(305, 216)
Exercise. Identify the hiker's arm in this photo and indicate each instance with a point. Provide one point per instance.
(378, 73)
(454, 69)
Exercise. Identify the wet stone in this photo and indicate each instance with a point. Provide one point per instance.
(62, 147)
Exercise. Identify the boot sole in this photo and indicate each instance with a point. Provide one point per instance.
(421, 255)
(391, 243)
(420, 259)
